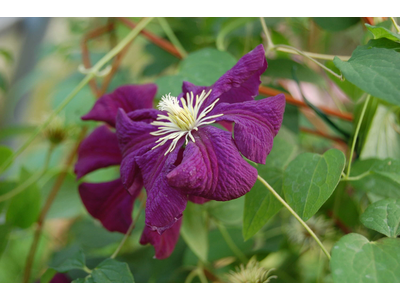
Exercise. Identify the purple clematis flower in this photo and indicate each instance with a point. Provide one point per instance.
(110, 202)
(181, 156)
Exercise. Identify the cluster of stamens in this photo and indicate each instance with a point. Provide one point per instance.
(181, 120)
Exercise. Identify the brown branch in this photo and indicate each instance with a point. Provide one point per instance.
(324, 135)
(49, 201)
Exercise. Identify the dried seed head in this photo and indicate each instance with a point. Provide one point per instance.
(251, 273)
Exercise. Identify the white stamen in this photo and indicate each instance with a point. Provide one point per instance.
(181, 120)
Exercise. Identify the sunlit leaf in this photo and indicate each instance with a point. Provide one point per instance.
(382, 32)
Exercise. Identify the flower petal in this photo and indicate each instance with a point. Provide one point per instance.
(134, 139)
(165, 204)
(213, 168)
(128, 97)
(257, 122)
(110, 203)
(163, 244)
(99, 150)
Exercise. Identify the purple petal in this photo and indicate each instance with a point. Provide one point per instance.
(213, 168)
(99, 150)
(197, 199)
(165, 203)
(128, 97)
(60, 278)
(134, 139)
(163, 244)
(257, 122)
(110, 203)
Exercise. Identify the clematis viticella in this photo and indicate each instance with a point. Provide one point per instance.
(110, 202)
(182, 156)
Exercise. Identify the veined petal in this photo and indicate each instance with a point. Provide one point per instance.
(110, 203)
(128, 97)
(165, 204)
(164, 244)
(134, 139)
(99, 150)
(197, 199)
(212, 167)
(257, 122)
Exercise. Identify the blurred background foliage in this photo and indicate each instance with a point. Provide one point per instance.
(39, 61)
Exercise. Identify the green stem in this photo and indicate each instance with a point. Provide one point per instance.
(284, 48)
(172, 37)
(355, 178)
(128, 233)
(231, 243)
(227, 29)
(270, 44)
(34, 178)
(118, 48)
(277, 196)
(356, 135)
(395, 24)
(87, 270)
(310, 55)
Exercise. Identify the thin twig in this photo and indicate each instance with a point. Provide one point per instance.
(49, 201)
(128, 233)
(356, 135)
(172, 37)
(231, 243)
(395, 24)
(277, 196)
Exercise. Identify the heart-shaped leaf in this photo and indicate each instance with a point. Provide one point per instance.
(310, 179)
(109, 271)
(383, 216)
(355, 259)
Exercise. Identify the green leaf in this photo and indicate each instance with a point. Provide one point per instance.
(260, 204)
(310, 179)
(195, 231)
(5, 230)
(7, 55)
(383, 216)
(48, 275)
(336, 24)
(375, 70)
(24, 207)
(383, 43)
(75, 260)
(228, 212)
(382, 139)
(355, 259)
(206, 66)
(384, 179)
(169, 84)
(109, 271)
(382, 32)
(353, 92)
(282, 68)
(5, 154)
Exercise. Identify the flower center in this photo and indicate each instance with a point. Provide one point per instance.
(181, 119)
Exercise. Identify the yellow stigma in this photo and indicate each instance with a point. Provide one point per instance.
(181, 119)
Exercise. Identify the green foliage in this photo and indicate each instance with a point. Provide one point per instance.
(5, 154)
(374, 70)
(336, 24)
(5, 230)
(383, 178)
(109, 271)
(382, 139)
(194, 230)
(202, 67)
(24, 208)
(69, 260)
(382, 32)
(310, 179)
(355, 259)
(261, 205)
(383, 216)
